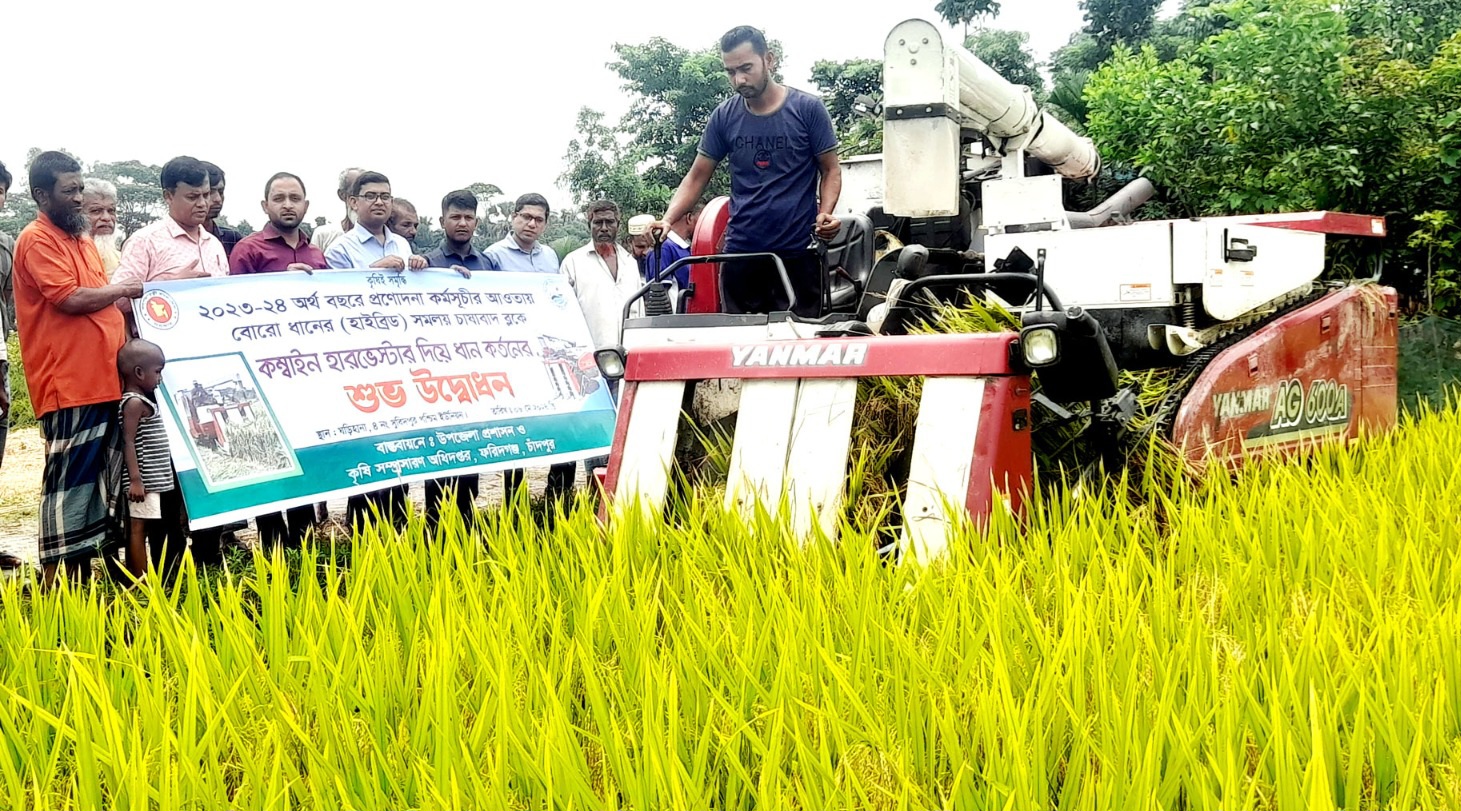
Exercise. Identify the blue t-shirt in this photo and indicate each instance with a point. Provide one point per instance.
(773, 169)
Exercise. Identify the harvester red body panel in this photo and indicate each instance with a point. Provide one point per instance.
(971, 446)
(706, 241)
(1326, 370)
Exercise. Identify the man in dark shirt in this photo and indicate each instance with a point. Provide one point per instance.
(459, 224)
(778, 141)
(280, 245)
(228, 236)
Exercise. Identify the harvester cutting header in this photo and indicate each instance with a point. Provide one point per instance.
(966, 203)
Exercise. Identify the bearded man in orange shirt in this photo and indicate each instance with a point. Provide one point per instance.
(70, 331)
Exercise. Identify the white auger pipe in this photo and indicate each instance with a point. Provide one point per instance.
(932, 93)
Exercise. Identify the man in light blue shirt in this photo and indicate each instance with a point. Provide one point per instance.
(520, 250)
(370, 244)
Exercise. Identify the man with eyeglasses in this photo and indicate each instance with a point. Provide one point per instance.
(520, 250)
(370, 244)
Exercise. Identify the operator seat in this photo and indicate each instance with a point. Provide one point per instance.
(848, 264)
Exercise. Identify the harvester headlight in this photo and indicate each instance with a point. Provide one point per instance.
(1040, 345)
(1068, 350)
(610, 361)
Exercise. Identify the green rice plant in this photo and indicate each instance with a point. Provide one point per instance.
(1286, 637)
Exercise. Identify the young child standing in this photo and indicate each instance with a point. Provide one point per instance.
(148, 471)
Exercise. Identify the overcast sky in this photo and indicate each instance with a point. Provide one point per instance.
(436, 95)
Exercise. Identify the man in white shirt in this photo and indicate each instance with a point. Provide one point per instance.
(603, 275)
(370, 244)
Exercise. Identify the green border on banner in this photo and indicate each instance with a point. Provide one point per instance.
(325, 469)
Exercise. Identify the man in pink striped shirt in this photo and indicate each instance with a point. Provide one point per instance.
(176, 246)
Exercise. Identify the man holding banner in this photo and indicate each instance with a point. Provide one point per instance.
(458, 224)
(357, 382)
(281, 246)
(70, 332)
(371, 244)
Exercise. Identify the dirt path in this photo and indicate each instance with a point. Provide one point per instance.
(20, 488)
(20, 493)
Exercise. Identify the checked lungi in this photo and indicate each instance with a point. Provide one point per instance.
(82, 446)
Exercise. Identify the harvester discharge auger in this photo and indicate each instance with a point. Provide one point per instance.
(968, 196)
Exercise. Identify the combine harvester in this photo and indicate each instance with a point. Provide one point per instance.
(968, 192)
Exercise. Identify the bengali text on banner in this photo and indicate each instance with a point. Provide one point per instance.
(286, 388)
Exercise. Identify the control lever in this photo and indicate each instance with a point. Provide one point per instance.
(657, 300)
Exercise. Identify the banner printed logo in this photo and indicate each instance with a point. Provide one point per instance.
(159, 309)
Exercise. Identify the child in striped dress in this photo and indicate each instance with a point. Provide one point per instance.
(148, 471)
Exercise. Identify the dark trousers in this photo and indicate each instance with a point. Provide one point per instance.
(392, 503)
(754, 286)
(560, 481)
(286, 528)
(461, 490)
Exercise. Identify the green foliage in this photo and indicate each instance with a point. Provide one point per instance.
(139, 191)
(963, 12)
(1438, 236)
(563, 246)
(859, 128)
(1119, 21)
(22, 414)
(428, 236)
(1008, 52)
(842, 82)
(1409, 29)
(639, 160)
(1285, 109)
(19, 209)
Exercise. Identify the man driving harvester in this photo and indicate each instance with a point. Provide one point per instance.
(779, 141)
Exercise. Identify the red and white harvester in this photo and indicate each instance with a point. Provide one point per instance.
(968, 194)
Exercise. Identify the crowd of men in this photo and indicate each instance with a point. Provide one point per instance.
(74, 279)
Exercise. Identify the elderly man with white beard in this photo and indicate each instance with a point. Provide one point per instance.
(99, 203)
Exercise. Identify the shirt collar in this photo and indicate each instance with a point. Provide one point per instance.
(511, 242)
(679, 240)
(270, 232)
(174, 230)
(445, 252)
(363, 235)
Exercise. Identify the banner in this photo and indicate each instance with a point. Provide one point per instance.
(283, 389)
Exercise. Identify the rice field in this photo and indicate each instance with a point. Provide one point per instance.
(1286, 638)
